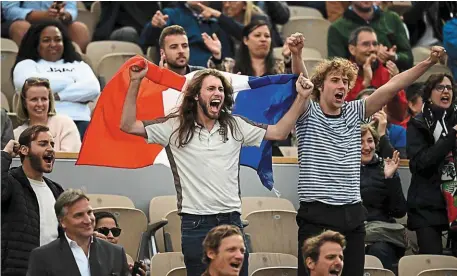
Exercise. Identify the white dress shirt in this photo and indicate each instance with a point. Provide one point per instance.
(80, 257)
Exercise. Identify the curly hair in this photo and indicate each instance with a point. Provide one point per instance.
(187, 112)
(330, 66)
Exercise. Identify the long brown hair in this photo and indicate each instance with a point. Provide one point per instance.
(187, 112)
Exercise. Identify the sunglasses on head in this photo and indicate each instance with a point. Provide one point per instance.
(35, 81)
(105, 231)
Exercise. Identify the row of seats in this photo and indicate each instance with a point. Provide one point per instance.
(266, 264)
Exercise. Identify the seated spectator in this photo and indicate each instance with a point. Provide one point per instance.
(187, 15)
(20, 15)
(124, 20)
(223, 251)
(382, 196)
(175, 53)
(36, 107)
(47, 52)
(278, 12)
(414, 97)
(431, 142)
(255, 56)
(6, 128)
(364, 49)
(235, 15)
(323, 254)
(394, 44)
(391, 136)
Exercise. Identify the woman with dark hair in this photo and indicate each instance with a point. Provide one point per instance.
(431, 148)
(47, 52)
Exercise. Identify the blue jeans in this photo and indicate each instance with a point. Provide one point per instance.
(194, 229)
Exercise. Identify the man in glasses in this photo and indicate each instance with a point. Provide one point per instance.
(364, 49)
(28, 219)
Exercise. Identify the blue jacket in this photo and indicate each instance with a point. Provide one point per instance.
(194, 27)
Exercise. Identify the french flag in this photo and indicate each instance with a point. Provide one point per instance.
(260, 99)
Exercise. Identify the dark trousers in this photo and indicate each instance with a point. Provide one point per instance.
(388, 253)
(429, 240)
(82, 126)
(315, 217)
(194, 229)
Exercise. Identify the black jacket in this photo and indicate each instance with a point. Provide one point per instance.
(383, 198)
(20, 217)
(426, 205)
(56, 259)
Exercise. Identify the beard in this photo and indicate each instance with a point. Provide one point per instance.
(173, 65)
(35, 163)
(362, 9)
(204, 107)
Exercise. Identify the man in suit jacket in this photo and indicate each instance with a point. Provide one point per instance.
(77, 251)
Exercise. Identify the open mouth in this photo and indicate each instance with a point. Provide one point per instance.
(339, 96)
(445, 99)
(235, 265)
(48, 158)
(334, 272)
(214, 105)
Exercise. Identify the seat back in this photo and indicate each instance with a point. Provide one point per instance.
(159, 207)
(8, 44)
(110, 63)
(172, 232)
(414, 264)
(97, 49)
(273, 231)
(275, 271)
(152, 54)
(420, 54)
(5, 103)
(8, 57)
(297, 11)
(105, 200)
(262, 260)
(435, 69)
(179, 271)
(311, 27)
(162, 263)
(373, 262)
(133, 223)
(96, 9)
(439, 272)
(251, 204)
(310, 64)
(89, 19)
(377, 272)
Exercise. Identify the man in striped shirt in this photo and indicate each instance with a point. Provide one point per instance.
(329, 139)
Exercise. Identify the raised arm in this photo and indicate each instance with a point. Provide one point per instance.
(129, 123)
(281, 130)
(8, 153)
(385, 93)
(295, 42)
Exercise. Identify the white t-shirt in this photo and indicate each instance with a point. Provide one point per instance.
(48, 218)
(75, 82)
(206, 170)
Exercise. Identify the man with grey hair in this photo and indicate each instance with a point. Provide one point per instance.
(77, 252)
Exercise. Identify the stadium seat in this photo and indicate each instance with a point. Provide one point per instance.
(439, 272)
(420, 54)
(413, 265)
(272, 231)
(109, 64)
(162, 263)
(89, 19)
(152, 55)
(297, 11)
(8, 54)
(377, 272)
(310, 64)
(98, 49)
(435, 69)
(262, 260)
(106, 200)
(133, 223)
(172, 232)
(179, 271)
(5, 103)
(251, 204)
(275, 271)
(314, 29)
(96, 9)
(159, 207)
(373, 262)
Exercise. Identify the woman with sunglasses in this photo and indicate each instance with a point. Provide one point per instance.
(36, 107)
(431, 149)
(107, 228)
(46, 51)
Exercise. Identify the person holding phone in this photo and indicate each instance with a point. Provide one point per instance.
(22, 14)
